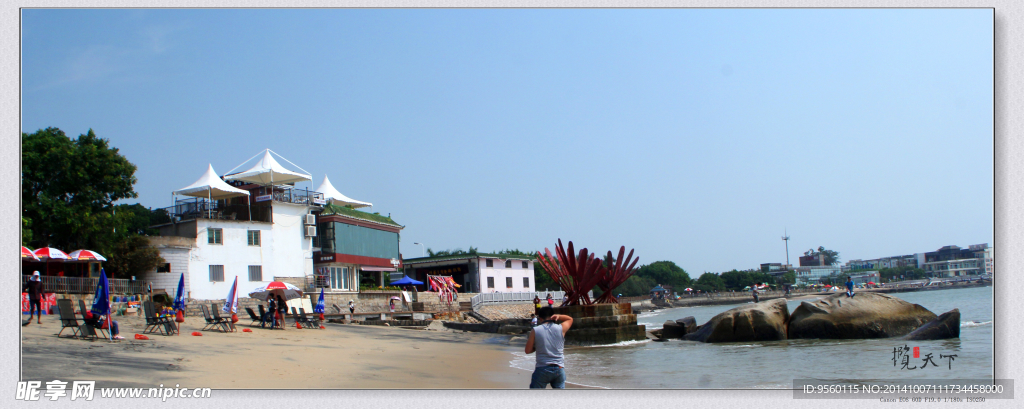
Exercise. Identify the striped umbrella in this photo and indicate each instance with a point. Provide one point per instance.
(286, 290)
(26, 253)
(50, 253)
(83, 255)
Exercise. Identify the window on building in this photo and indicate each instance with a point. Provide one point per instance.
(526, 282)
(508, 263)
(508, 282)
(526, 264)
(253, 238)
(214, 236)
(216, 273)
(490, 263)
(164, 268)
(255, 273)
(490, 281)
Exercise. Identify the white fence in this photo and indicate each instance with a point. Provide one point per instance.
(503, 298)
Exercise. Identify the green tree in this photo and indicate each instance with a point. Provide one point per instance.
(710, 282)
(68, 190)
(665, 273)
(26, 231)
(635, 286)
(735, 279)
(831, 256)
(788, 277)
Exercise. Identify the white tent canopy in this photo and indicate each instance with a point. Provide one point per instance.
(334, 196)
(267, 171)
(211, 187)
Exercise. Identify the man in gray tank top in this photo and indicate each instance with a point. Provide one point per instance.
(548, 339)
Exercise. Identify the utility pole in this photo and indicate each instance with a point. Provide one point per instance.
(785, 237)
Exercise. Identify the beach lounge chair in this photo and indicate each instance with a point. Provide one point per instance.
(263, 315)
(313, 321)
(252, 315)
(215, 318)
(210, 321)
(301, 319)
(156, 323)
(67, 317)
(89, 330)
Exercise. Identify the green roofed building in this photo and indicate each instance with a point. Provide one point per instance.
(355, 248)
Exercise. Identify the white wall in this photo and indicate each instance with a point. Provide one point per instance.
(179, 260)
(292, 252)
(499, 272)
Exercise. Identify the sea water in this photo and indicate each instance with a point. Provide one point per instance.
(775, 364)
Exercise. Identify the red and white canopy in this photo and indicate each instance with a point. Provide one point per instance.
(285, 290)
(50, 253)
(26, 253)
(86, 255)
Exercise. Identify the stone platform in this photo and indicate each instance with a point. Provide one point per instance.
(602, 324)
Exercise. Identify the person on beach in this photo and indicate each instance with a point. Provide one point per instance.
(34, 288)
(548, 341)
(565, 299)
(271, 314)
(391, 304)
(282, 310)
(98, 321)
(533, 320)
(351, 307)
(551, 301)
(753, 290)
(536, 304)
(849, 287)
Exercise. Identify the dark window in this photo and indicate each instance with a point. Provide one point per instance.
(508, 263)
(526, 282)
(214, 236)
(508, 282)
(253, 238)
(490, 263)
(526, 264)
(164, 268)
(216, 273)
(490, 281)
(255, 273)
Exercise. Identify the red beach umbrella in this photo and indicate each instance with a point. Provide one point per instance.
(50, 253)
(828, 285)
(286, 290)
(82, 255)
(26, 253)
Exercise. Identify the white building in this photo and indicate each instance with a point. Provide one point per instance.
(479, 272)
(259, 230)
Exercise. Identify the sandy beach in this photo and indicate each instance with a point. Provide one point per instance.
(338, 357)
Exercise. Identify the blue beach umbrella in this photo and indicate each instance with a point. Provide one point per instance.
(319, 309)
(101, 300)
(179, 297)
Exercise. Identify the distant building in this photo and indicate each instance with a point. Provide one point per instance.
(775, 269)
(953, 261)
(817, 274)
(478, 272)
(910, 260)
(810, 261)
(354, 248)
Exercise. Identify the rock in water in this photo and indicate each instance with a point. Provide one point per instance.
(765, 321)
(689, 323)
(866, 315)
(946, 326)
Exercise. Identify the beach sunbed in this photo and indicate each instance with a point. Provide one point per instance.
(313, 321)
(156, 323)
(252, 315)
(89, 330)
(217, 319)
(301, 319)
(67, 317)
(210, 322)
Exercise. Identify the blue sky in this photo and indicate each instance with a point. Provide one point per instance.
(695, 136)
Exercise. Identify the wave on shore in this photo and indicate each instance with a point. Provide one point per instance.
(974, 323)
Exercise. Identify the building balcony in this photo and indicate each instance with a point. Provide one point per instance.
(85, 285)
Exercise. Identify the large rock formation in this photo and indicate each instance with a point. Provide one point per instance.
(945, 326)
(765, 321)
(867, 315)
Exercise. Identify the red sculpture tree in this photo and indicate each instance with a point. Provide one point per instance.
(577, 274)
